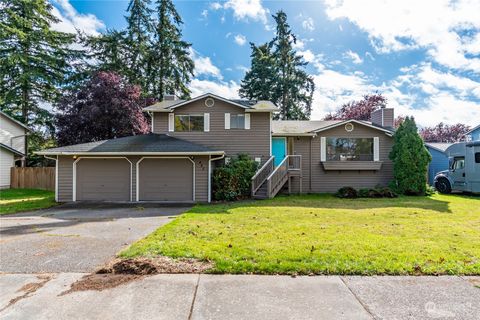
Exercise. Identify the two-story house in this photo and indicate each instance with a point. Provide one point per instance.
(12, 146)
(189, 138)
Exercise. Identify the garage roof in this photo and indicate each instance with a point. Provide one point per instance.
(155, 144)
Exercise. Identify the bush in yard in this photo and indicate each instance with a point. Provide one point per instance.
(410, 160)
(346, 192)
(233, 180)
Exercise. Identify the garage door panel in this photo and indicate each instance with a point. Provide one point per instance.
(165, 180)
(103, 179)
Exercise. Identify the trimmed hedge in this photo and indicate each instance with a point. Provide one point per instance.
(377, 192)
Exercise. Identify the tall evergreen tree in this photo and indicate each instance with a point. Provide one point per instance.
(140, 27)
(258, 81)
(410, 159)
(35, 60)
(170, 66)
(290, 87)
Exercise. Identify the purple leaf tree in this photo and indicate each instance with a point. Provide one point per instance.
(106, 107)
(359, 110)
(444, 133)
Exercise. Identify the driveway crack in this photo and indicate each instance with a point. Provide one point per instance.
(367, 309)
(194, 298)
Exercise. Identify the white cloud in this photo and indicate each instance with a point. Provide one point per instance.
(204, 66)
(308, 24)
(247, 9)
(204, 14)
(448, 30)
(215, 6)
(299, 44)
(314, 59)
(240, 39)
(353, 56)
(227, 90)
(431, 96)
(71, 20)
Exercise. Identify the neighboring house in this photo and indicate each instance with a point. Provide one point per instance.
(175, 162)
(12, 146)
(439, 158)
(474, 134)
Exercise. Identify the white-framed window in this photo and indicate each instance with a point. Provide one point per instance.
(189, 122)
(237, 121)
(349, 149)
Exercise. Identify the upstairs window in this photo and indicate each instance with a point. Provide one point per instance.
(189, 123)
(350, 149)
(237, 121)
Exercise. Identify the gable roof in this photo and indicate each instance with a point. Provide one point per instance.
(439, 146)
(14, 151)
(248, 105)
(154, 144)
(15, 121)
(312, 127)
(474, 129)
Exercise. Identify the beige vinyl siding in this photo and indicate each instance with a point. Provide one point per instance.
(331, 181)
(201, 178)
(12, 134)
(6, 162)
(254, 141)
(65, 178)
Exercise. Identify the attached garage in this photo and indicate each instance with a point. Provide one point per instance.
(102, 179)
(166, 179)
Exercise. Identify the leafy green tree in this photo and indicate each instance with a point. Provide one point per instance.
(258, 81)
(170, 66)
(287, 84)
(35, 60)
(410, 159)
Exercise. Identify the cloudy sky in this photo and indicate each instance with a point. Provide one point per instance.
(424, 56)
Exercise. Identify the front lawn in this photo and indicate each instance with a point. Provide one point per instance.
(17, 200)
(320, 234)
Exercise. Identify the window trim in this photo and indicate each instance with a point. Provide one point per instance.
(189, 122)
(375, 155)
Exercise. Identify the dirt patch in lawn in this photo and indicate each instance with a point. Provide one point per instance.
(122, 271)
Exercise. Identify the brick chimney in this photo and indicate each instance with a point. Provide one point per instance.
(383, 117)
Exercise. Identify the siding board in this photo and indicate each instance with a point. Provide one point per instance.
(254, 141)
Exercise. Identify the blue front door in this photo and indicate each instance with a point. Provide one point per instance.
(279, 149)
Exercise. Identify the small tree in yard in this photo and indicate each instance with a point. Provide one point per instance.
(105, 108)
(410, 160)
(233, 180)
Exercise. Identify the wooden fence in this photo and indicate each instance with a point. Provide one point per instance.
(33, 178)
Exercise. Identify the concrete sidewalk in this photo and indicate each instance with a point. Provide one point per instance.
(192, 296)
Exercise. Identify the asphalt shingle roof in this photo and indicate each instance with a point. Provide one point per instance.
(148, 143)
(440, 146)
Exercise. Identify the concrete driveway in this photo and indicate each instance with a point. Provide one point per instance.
(75, 238)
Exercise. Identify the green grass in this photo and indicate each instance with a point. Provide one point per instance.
(321, 234)
(18, 200)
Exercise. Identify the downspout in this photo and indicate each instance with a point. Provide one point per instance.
(56, 176)
(210, 175)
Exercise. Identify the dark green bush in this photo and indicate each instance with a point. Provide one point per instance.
(377, 192)
(232, 181)
(346, 192)
(410, 160)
